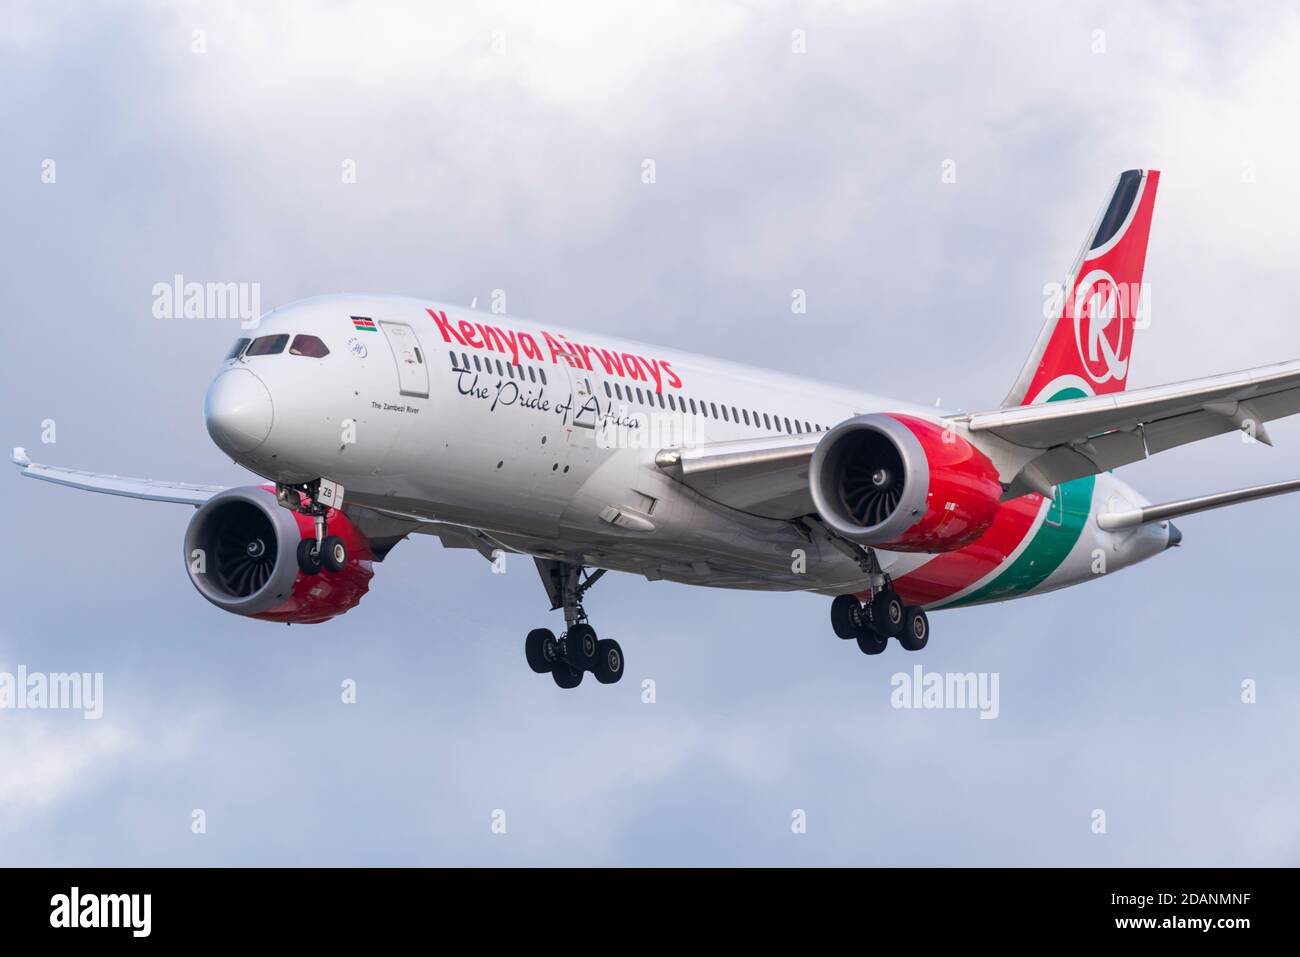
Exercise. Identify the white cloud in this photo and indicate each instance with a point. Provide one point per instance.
(51, 759)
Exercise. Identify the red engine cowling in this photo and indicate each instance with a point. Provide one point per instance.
(903, 484)
(241, 554)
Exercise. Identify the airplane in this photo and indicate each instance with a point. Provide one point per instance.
(372, 418)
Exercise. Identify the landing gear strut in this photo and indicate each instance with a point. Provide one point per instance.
(884, 617)
(315, 499)
(578, 650)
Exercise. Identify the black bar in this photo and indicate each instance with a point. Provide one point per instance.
(333, 905)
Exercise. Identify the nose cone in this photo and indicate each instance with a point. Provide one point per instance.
(1175, 536)
(238, 411)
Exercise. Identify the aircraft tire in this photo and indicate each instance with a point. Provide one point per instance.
(565, 676)
(334, 554)
(872, 642)
(846, 617)
(580, 647)
(309, 560)
(888, 614)
(916, 630)
(540, 650)
(608, 668)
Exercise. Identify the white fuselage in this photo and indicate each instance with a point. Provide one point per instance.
(542, 439)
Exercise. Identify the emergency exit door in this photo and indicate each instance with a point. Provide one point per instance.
(412, 370)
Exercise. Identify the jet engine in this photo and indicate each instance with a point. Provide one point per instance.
(903, 484)
(241, 554)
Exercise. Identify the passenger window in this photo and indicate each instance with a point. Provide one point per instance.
(714, 407)
(692, 407)
(767, 422)
(477, 365)
(237, 348)
(725, 417)
(268, 345)
(532, 375)
(308, 346)
(542, 373)
(640, 398)
(608, 393)
(746, 412)
(787, 424)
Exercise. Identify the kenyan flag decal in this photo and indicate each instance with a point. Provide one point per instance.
(364, 325)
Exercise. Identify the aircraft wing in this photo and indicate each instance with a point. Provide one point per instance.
(1052, 442)
(379, 524)
(765, 476)
(153, 490)
(1077, 437)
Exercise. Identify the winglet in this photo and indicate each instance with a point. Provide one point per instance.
(20, 458)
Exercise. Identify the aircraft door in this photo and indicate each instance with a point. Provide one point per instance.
(582, 425)
(586, 407)
(412, 367)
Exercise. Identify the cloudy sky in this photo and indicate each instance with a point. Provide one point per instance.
(501, 148)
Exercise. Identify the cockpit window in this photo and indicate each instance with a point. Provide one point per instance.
(308, 346)
(267, 345)
(237, 348)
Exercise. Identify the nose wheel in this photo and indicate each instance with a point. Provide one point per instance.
(331, 555)
(578, 651)
(309, 557)
(316, 499)
(884, 617)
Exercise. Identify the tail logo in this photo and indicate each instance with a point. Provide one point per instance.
(1099, 327)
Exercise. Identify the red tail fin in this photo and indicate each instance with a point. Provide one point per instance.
(1085, 349)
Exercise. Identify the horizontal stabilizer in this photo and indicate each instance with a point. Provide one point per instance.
(1131, 518)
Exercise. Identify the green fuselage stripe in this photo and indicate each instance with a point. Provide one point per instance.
(1051, 542)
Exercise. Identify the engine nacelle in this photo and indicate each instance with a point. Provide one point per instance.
(241, 554)
(903, 484)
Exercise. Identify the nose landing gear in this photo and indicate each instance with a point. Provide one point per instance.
(330, 554)
(578, 651)
(316, 498)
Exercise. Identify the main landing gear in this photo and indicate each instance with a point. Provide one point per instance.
(322, 551)
(578, 650)
(884, 617)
